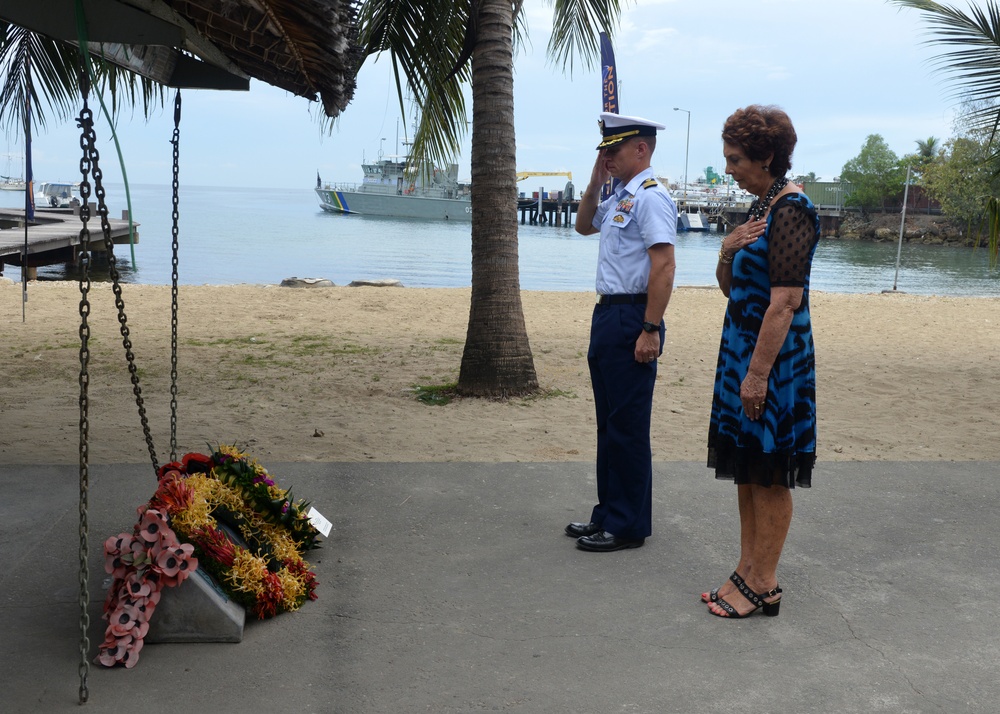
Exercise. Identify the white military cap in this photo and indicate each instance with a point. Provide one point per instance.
(616, 128)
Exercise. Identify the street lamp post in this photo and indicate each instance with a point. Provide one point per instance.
(687, 143)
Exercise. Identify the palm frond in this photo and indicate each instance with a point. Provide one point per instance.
(54, 86)
(976, 35)
(425, 42)
(576, 27)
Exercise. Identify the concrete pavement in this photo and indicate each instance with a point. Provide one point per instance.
(451, 588)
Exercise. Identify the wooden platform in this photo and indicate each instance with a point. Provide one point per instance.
(54, 236)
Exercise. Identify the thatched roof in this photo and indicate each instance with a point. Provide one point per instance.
(307, 47)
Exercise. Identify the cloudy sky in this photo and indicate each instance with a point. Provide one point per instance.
(842, 69)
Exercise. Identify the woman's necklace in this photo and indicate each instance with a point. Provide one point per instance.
(759, 207)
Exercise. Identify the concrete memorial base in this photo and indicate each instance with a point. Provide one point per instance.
(196, 611)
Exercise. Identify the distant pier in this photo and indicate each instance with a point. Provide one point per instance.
(54, 237)
(551, 211)
(724, 218)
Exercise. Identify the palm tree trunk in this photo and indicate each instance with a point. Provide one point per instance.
(497, 360)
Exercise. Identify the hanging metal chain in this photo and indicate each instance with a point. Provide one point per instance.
(102, 211)
(86, 124)
(176, 140)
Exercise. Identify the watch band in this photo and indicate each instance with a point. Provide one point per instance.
(650, 327)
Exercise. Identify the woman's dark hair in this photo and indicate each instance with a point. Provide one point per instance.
(762, 130)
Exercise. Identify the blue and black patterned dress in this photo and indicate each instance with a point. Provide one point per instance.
(780, 448)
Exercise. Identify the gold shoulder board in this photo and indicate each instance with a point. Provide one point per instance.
(649, 183)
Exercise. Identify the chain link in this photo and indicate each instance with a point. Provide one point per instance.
(86, 124)
(102, 211)
(176, 140)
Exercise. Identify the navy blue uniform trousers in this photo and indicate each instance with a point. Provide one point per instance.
(623, 397)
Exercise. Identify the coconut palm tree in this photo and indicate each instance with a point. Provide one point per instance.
(437, 47)
(974, 66)
(927, 148)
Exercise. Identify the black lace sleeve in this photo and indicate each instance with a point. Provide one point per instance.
(793, 232)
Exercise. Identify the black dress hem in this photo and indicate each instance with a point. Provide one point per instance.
(743, 465)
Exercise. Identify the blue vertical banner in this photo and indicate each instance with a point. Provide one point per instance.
(609, 75)
(609, 93)
(29, 188)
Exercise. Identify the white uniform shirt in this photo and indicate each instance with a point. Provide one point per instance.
(637, 216)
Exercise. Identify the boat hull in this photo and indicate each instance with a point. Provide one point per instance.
(394, 206)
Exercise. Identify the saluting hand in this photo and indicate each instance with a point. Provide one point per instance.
(600, 174)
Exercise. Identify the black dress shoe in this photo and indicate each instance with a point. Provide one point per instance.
(604, 542)
(578, 530)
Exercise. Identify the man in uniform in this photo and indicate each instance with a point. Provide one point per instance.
(635, 276)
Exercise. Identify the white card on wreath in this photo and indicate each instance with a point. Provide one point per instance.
(321, 524)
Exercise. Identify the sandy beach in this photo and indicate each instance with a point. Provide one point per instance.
(328, 374)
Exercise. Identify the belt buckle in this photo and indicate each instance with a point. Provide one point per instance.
(599, 298)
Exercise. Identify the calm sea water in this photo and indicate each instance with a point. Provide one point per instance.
(234, 235)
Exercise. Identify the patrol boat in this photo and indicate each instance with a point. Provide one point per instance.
(393, 188)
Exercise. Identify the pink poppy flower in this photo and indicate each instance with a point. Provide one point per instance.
(116, 567)
(174, 564)
(151, 526)
(131, 657)
(136, 586)
(145, 607)
(118, 544)
(117, 554)
(122, 620)
(111, 653)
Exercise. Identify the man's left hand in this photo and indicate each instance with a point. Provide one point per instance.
(647, 347)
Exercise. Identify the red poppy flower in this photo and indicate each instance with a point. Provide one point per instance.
(197, 463)
(167, 468)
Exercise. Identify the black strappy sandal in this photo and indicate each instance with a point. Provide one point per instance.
(713, 596)
(756, 599)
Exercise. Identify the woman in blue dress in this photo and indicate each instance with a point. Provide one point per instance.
(762, 434)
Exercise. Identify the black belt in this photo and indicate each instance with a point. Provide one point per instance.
(636, 299)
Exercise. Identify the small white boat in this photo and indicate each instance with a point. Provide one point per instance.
(12, 183)
(9, 183)
(57, 195)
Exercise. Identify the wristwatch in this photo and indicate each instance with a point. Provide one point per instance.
(650, 327)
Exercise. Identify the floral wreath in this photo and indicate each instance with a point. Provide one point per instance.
(224, 513)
